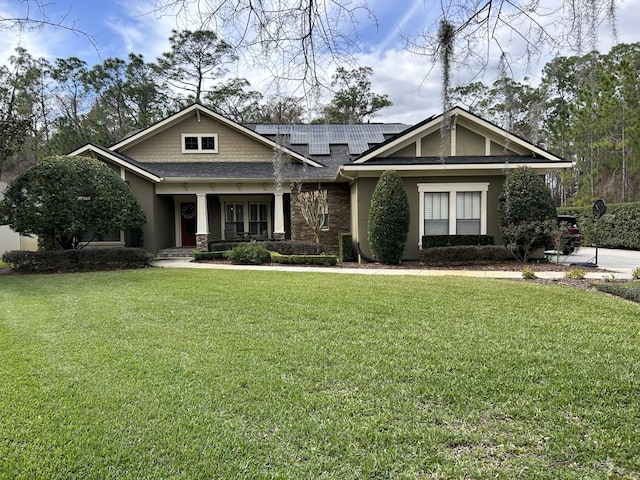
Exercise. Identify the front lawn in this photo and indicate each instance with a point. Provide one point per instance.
(252, 374)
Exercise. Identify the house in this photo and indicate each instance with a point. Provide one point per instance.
(10, 240)
(200, 176)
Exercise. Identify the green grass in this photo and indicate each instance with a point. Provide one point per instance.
(245, 374)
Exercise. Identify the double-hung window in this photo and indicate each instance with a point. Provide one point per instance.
(468, 213)
(436, 213)
(258, 219)
(453, 208)
(233, 219)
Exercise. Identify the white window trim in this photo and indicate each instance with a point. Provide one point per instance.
(200, 136)
(453, 189)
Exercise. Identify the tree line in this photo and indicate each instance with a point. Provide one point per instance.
(585, 109)
(53, 107)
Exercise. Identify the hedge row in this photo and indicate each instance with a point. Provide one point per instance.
(84, 260)
(304, 259)
(285, 247)
(620, 290)
(465, 254)
(221, 255)
(431, 241)
(619, 227)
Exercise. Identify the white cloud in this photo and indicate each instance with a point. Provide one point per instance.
(139, 30)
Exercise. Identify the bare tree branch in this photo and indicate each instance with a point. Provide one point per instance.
(297, 40)
(35, 17)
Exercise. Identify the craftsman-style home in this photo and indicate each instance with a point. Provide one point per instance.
(200, 176)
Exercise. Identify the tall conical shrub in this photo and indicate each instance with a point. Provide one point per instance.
(388, 219)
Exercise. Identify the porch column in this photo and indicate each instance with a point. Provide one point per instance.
(202, 228)
(278, 216)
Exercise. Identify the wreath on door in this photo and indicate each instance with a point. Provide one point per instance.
(188, 211)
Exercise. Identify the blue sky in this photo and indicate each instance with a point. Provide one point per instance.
(120, 27)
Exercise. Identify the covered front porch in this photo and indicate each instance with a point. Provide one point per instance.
(205, 213)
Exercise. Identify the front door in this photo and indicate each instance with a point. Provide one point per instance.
(188, 224)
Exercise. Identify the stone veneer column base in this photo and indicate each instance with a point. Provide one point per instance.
(278, 236)
(202, 242)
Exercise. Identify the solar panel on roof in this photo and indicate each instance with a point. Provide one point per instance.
(319, 138)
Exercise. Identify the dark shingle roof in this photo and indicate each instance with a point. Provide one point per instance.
(230, 170)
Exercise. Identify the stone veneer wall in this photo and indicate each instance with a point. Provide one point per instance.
(339, 216)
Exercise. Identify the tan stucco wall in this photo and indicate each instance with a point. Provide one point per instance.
(468, 142)
(409, 151)
(365, 187)
(497, 149)
(144, 192)
(431, 145)
(233, 146)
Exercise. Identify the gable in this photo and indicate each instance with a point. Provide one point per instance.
(242, 143)
(470, 136)
(167, 145)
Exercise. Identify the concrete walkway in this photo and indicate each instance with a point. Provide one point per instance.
(592, 273)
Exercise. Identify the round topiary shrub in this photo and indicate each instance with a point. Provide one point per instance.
(249, 254)
(526, 211)
(388, 225)
(525, 197)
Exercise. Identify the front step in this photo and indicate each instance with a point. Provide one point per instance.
(176, 252)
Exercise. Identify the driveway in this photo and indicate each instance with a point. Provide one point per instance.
(623, 261)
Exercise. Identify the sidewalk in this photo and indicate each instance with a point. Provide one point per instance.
(187, 263)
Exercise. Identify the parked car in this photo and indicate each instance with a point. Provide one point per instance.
(570, 237)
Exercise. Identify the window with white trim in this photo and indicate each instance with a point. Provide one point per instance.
(453, 208)
(199, 143)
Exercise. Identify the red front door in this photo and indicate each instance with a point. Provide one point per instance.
(188, 224)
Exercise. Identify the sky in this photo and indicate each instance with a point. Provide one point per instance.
(120, 27)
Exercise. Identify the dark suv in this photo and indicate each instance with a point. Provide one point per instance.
(571, 237)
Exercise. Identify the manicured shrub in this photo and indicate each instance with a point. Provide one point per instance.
(388, 225)
(526, 211)
(254, 253)
(285, 247)
(216, 255)
(620, 290)
(66, 201)
(430, 241)
(465, 254)
(304, 259)
(636, 273)
(528, 274)
(575, 273)
(86, 259)
(525, 197)
(345, 247)
(293, 247)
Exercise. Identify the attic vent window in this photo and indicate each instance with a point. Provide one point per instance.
(199, 143)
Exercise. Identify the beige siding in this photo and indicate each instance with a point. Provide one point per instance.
(468, 142)
(166, 146)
